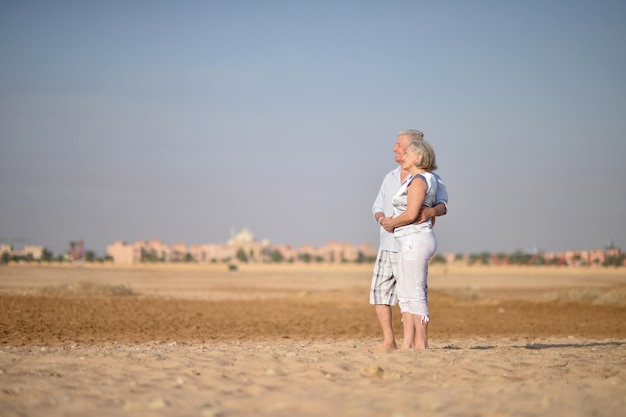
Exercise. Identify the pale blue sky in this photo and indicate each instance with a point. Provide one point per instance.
(182, 120)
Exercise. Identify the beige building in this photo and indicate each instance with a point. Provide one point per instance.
(34, 252)
(254, 250)
(213, 253)
(121, 253)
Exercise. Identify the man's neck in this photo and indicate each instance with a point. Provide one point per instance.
(403, 174)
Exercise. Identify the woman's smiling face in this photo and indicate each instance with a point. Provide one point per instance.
(409, 159)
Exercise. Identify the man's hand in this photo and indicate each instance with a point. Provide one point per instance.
(430, 213)
(425, 214)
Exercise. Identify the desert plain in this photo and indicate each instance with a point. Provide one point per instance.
(300, 340)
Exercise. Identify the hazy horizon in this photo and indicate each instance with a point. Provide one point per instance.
(181, 121)
(19, 244)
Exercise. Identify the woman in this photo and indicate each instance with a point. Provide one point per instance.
(416, 243)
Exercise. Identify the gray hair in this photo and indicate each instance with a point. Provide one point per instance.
(428, 161)
(412, 134)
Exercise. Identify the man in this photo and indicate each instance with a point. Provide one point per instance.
(383, 290)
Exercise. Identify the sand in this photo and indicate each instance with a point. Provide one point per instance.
(297, 340)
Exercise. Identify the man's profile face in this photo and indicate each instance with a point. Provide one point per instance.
(400, 147)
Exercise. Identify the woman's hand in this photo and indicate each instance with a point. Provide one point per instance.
(385, 222)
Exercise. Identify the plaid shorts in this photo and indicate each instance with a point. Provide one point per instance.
(383, 290)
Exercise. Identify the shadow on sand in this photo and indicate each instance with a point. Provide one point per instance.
(540, 346)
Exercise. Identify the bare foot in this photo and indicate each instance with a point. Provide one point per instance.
(384, 346)
(413, 347)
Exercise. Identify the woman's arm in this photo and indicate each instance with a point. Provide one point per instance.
(416, 194)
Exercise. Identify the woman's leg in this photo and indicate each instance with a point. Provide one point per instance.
(421, 332)
(415, 251)
(405, 268)
(409, 331)
(426, 250)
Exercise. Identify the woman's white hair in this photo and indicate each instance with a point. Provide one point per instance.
(428, 161)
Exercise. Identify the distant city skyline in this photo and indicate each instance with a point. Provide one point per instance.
(531, 249)
(135, 120)
(244, 247)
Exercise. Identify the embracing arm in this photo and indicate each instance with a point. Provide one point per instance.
(431, 212)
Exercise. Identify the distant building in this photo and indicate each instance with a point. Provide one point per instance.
(30, 252)
(244, 242)
(179, 252)
(120, 252)
(34, 252)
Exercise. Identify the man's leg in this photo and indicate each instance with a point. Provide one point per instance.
(383, 312)
(383, 295)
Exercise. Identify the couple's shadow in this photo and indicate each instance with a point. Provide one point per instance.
(541, 346)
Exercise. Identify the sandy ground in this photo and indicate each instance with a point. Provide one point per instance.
(298, 340)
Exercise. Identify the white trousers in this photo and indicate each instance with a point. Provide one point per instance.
(414, 252)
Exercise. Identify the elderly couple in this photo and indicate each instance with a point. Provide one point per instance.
(410, 198)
